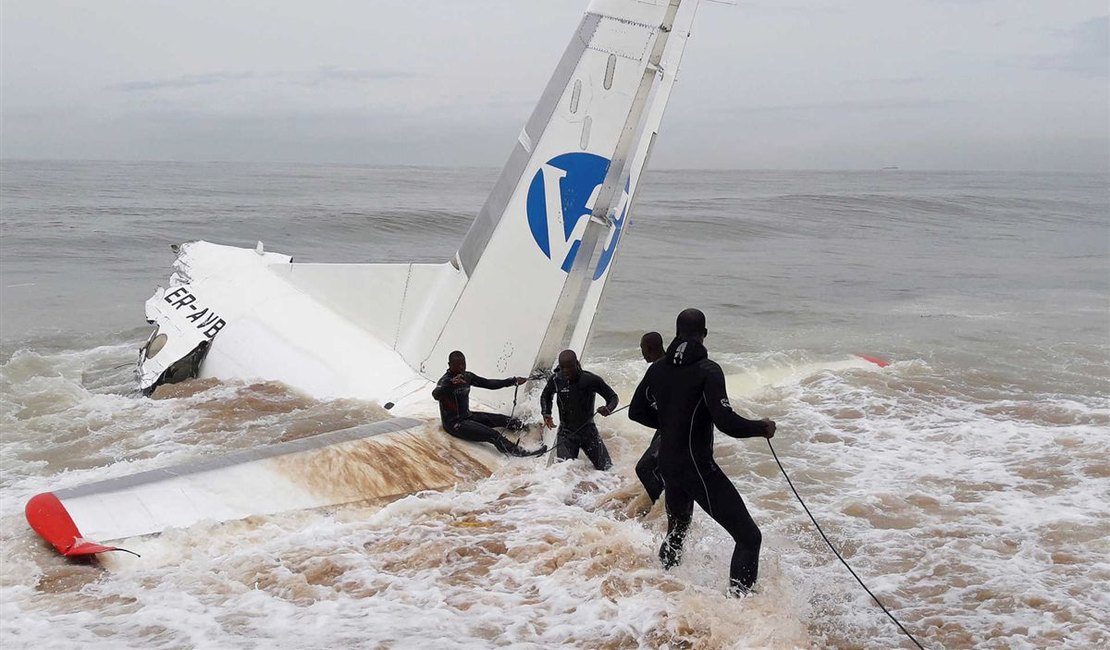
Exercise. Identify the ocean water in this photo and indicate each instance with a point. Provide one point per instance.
(968, 482)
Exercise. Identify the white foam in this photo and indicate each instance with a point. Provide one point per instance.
(970, 510)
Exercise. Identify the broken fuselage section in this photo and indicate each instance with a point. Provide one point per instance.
(524, 285)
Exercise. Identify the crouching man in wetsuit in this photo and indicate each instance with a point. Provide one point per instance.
(647, 468)
(576, 389)
(684, 397)
(452, 391)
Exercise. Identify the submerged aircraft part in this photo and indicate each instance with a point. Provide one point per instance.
(526, 280)
(371, 461)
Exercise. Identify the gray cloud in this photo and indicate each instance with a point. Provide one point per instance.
(888, 81)
(184, 81)
(385, 136)
(1090, 51)
(330, 74)
(851, 106)
(323, 75)
(798, 10)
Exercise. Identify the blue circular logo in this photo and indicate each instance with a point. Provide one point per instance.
(560, 201)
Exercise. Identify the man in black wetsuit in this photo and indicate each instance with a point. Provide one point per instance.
(576, 389)
(651, 346)
(452, 391)
(684, 397)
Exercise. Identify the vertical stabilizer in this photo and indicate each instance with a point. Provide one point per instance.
(543, 245)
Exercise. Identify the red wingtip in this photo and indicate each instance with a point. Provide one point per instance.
(85, 547)
(875, 360)
(49, 518)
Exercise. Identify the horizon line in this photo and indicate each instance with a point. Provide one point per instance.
(317, 163)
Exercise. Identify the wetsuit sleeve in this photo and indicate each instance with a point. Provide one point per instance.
(492, 384)
(641, 409)
(545, 397)
(610, 396)
(724, 418)
(441, 387)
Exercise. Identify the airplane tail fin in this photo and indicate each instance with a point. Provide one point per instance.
(538, 256)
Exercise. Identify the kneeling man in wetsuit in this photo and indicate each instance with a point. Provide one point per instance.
(683, 395)
(576, 389)
(452, 391)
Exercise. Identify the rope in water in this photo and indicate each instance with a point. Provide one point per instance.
(555, 447)
(538, 374)
(590, 421)
(804, 507)
(516, 389)
(837, 553)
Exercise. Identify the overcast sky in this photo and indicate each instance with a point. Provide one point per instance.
(821, 84)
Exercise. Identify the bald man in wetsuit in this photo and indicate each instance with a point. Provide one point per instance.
(575, 389)
(452, 391)
(683, 396)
